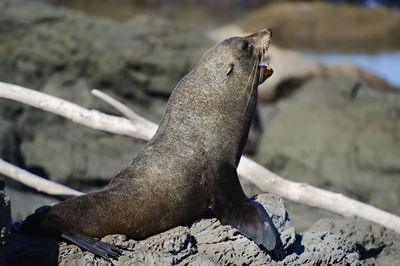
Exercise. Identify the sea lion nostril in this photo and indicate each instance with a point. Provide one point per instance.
(270, 32)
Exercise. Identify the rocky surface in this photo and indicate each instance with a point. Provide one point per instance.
(376, 244)
(344, 241)
(208, 242)
(5, 222)
(321, 26)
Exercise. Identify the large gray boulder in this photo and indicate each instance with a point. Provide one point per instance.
(336, 133)
(5, 222)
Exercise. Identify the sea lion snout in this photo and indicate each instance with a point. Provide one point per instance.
(261, 42)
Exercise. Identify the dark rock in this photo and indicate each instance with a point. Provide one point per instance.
(10, 149)
(5, 222)
(31, 250)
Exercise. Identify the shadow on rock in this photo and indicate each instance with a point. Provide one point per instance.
(32, 250)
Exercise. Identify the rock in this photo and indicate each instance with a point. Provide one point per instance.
(208, 242)
(26, 201)
(336, 133)
(31, 250)
(204, 242)
(5, 222)
(10, 149)
(324, 248)
(321, 26)
(377, 245)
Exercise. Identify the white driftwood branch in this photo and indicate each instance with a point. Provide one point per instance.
(313, 196)
(255, 173)
(90, 118)
(36, 182)
(128, 113)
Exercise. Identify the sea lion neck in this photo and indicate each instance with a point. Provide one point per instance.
(218, 96)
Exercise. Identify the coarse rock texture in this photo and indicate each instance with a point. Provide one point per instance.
(377, 245)
(336, 133)
(5, 222)
(207, 242)
(321, 26)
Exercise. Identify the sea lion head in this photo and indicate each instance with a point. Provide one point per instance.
(223, 85)
(240, 58)
(248, 56)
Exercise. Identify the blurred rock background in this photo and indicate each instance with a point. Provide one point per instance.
(332, 126)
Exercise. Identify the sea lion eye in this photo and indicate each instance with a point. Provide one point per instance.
(230, 69)
(244, 45)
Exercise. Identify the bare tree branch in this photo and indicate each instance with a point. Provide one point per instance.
(90, 118)
(36, 182)
(128, 113)
(255, 173)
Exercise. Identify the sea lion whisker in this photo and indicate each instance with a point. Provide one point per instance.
(255, 67)
(261, 77)
(251, 73)
(248, 80)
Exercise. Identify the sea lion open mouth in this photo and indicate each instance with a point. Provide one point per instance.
(265, 72)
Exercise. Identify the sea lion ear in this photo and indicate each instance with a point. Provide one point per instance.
(243, 45)
(230, 69)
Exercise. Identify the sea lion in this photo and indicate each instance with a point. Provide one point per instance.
(189, 165)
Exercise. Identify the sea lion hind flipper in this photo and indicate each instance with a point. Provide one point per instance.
(252, 221)
(42, 223)
(102, 249)
(258, 226)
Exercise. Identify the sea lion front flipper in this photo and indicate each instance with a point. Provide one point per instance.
(233, 207)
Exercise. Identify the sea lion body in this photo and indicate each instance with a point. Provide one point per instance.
(190, 163)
